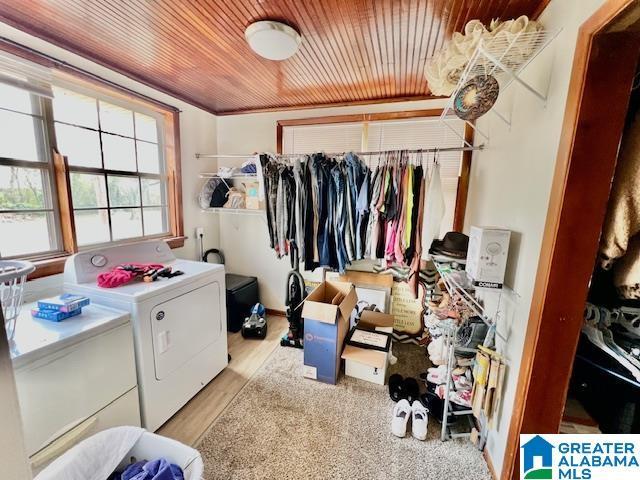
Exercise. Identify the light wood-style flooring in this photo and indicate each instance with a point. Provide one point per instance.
(247, 355)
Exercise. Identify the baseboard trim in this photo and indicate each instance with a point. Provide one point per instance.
(279, 313)
(487, 458)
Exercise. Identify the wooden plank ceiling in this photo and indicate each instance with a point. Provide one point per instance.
(355, 51)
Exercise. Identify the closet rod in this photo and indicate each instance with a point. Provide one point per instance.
(382, 152)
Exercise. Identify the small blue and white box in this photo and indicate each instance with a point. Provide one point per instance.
(66, 303)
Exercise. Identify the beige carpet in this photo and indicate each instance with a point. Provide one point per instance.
(282, 426)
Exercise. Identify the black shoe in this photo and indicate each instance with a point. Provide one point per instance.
(396, 387)
(412, 389)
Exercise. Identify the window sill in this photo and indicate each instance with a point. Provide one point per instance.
(55, 265)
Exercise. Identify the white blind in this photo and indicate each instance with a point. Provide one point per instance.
(388, 135)
(331, 138)
(26, 75)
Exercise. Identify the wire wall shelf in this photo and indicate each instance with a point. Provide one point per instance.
(234, 211)
(504, 56)
(228, 179)
(241, 176)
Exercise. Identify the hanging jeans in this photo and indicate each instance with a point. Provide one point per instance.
(362, 217)
(266, 167)
(273, 174)
(354, 172)
(310, 217)
(324, 210)
(340, 218)
(299, 205)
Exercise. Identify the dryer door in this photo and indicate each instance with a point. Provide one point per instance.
(184, 326)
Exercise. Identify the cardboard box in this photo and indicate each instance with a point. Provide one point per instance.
(326, 313)
(487, 256)
(367, 364)
(375, 320)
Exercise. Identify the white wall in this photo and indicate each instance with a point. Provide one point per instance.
(244, 239)
(511, 181)
(197, 132)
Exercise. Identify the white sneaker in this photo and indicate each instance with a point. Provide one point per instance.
(401, 415)
(419, 421)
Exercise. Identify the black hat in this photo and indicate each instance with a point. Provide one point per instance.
(454, 244)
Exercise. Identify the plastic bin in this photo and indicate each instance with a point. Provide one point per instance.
(242, 294)
(151, 446)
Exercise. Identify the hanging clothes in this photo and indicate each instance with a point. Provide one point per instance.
(337, 210)
(362, 216)
(620, 240)
(415, 262)
(434, 208)
(299, 207)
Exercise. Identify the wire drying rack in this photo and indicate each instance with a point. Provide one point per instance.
(504, 56)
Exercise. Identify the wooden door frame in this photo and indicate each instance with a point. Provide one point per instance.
(603, 70)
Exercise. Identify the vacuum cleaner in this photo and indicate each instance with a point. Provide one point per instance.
(255, 325)
(294, 296)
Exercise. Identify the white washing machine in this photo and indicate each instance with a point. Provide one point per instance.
(179, 323)
(74, 378)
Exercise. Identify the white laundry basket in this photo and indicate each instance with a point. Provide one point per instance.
(151, 446)
(97, 457)
(13, 275)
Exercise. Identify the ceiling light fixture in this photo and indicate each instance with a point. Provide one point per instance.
(272, 40)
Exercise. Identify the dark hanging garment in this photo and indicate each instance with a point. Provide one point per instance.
(417, 182)
(309, 219)
(291, 205)
(362, 209)
(324, 210)
(387, 182)
(267, 178)
(340, 217)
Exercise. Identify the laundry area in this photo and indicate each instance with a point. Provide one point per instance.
(312, 240)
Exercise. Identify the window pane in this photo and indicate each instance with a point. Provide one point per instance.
(26, 233)
(81, 146)
(119, 153)
(148, 160)
(151, 191)
(92, 226)
(72, 107)
(18, 136)
(126, 223)
(116, 119)
(88, 190)
(146, 128)
(21, 188)
(15, 99)
(123, 191)
(155, 220)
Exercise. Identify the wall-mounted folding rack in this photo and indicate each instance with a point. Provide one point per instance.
(504, 56)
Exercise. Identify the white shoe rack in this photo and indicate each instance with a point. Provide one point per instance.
(450, 332)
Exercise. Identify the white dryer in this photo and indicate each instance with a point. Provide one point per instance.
(179, 323)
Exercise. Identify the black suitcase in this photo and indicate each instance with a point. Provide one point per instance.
(242, 295)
